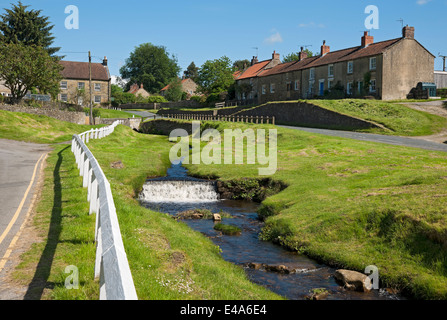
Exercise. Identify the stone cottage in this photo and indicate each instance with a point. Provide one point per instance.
(387, 70)
(74, 87)
(188, 86)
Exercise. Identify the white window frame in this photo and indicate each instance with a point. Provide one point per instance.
(330, 84)
(81, 85)
(330, 70)
(349, 87)
(97, 87)
(373, 85)
(64, 85)
(312, 74)
(372, 63)
(95, 99)
(350, 67)
(297, 85)
(264, 89)
(272, 88)
(64, 97)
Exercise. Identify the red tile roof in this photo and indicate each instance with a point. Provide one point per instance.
(80, 70)
(183, 81)
(332, 57)
(254, 70)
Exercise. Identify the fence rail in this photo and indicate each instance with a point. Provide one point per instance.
(228, 118)
(111, 266)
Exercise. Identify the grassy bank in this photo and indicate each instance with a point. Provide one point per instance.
(352, 204)
(36, 128)
(168, 260)
(400, 119)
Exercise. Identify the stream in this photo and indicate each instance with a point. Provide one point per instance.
(177, 192)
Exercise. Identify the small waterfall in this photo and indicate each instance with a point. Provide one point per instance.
(184, 190)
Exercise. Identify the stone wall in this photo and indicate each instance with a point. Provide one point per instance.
(69, 116)
(149, 106)
(308, 115)
(291, 113)
(133, 123)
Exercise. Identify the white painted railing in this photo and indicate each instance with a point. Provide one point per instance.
(111, 265)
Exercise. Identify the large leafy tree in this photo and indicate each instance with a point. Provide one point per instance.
(29, 27)
(215, 76)
(24, 67)
(151, 65)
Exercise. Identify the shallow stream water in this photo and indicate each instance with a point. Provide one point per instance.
(246, 248)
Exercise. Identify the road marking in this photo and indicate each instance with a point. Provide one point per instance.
(14, 218)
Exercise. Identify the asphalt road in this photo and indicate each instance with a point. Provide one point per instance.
(20, 164)
(142, 113)
(393, 140)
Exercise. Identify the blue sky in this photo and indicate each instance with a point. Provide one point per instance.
(198, 30)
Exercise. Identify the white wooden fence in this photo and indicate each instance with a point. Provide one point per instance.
(111, 265)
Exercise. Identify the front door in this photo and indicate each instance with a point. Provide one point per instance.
(321, 88)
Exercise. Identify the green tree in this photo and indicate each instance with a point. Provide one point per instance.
(191, 71)
(295, 56)
(23, 67)
(241, 64)
(215, 76)
(19, 25)
(151, 65)
(175, 90)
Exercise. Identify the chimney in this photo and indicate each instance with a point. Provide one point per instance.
(254, 60)
(104, 62)
(408, 32)
(324, 48)
(303, 54)
(275, 56)
(367, 40)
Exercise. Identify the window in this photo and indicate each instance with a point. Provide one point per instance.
(349, 88)
(81, 85)
(97, 87)
(350, 67)
(64, 97)
(264, 89)
(297, 85)
(289, 86)
(64, 85)
(272, 88)
(372, 86)
(97, 99)
(372, 63)
(330, 70)
(330, 84)
(312, 74)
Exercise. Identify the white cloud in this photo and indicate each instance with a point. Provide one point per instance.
(274, 38)
(313, 25)
(422, 2)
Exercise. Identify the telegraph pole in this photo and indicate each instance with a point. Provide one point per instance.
(90, 86)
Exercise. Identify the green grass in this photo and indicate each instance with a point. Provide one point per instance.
(400, 119)
(110, 113)
(352, 204)
(168, 260)
(37, 128)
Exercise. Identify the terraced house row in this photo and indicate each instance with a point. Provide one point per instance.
(387, 70)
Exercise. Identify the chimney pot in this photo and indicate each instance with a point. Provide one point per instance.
(367, 39)
(408, 32)
(324, 48)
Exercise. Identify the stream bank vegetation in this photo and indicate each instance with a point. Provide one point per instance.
(346, 203)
